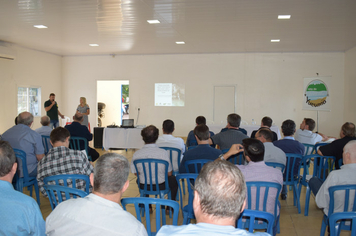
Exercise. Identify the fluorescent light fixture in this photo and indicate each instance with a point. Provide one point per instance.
(283, 17)
(275, 40)
(180, 42)
(94, 45)
(153, 21)
(40, 26)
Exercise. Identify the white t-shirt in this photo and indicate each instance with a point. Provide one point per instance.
(307, 136)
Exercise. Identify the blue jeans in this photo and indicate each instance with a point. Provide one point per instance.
(315, 184)
(54, 124)
(33, 173)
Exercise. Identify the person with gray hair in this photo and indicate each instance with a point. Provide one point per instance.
(20, 214)
(45, 129)
(22, 137)
(219, 198)
(99, 213)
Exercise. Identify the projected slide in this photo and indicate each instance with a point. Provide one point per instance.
(168, 94)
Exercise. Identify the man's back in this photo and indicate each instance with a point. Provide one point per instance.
(307, 136)
(20, 214)
(290, 146)
(274, 154)
(44, 130)
(77, 130)
(227, 138)
(168, 140)
(92, 215)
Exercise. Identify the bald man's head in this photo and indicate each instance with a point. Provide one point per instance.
(25, 118)
(349, 154)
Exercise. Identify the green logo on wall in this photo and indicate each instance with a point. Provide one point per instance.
(316, 93)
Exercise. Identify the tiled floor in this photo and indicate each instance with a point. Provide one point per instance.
(292, 223)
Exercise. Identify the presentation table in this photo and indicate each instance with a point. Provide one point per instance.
(126, 138)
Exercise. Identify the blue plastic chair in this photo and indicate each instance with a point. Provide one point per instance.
(291, 179)
(317, 145)
(160, 215)
(191, 147)
(276, 165)
(187, 210)
(196, 164)
(347, 204)
(75, 144)
(192, 143)
(26, 180)
(57, 194)
(342, 216)
(340, 162)
(237, 159)
(255, 216)
(309, 149)
(253, 202)
(46, 143)
(320, 170)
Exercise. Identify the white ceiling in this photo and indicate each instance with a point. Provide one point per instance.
(207, 26)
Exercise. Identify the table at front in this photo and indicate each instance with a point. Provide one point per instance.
(122, 138)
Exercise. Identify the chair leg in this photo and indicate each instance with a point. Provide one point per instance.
(307, 199)
(323, 227)
(37, 191)
(295, 190)
(183, 186)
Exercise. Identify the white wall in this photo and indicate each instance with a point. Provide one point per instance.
(267, 84)
(350, 86)
(30, 68)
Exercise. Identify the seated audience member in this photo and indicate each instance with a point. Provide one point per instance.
(289, 145)
(272, 153)
(219, 198)
(168, 140)
(347, 133)
(242, 130)
(151, 151)
(266, 123)
(305, 133)
(100, 212)
(202, 151)
(232, 136)
(44, 129)
(76, 129)
(346, 175)
(22, 137)
(20, 214)
(191, 140)
(62, 160)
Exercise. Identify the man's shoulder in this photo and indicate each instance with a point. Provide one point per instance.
(47, 102)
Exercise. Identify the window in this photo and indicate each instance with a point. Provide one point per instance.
(29, 99)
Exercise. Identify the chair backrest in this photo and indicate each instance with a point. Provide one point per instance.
(22, 171)
(192, 143)
(190, 179)
(70, 180)
(46, 143)
(292, 167)
(253, 216)
(56, 194)
(322, 165)
(191, 147)
(340, 161)
(160, 215)
(237, 159)
(309, 149)
(78, 143)
(148, 169)
(276, 165)
(317, 145)
(259, 193)
(194, 166)
(345, 192)
(176, 162)
(342, 216)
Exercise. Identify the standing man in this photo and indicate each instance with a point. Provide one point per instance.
(305, 133)
(51, 108)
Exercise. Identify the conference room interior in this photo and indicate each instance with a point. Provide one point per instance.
(319, 40)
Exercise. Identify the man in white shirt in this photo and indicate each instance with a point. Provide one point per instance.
(99, 213)
(168, 140)
(305, 133)
(345, 175)
(45, 129)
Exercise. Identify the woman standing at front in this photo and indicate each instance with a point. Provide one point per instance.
(84, 110)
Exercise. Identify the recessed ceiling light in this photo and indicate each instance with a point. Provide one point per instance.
(94, 45)
(153, 21)
(275, 40)
(40, 26)
(180, 42)
(283, 17)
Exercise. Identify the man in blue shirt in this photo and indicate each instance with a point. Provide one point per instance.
(202, 151)
(191, 140)
(22, 137)
(20, 214)
(289, 145)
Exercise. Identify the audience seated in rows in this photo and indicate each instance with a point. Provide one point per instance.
(203, 150)
(232, 136)
(305, 133)
(219, 198)
(76, 129)
(62, 160)
(20, 214)
(347, 133)
(266, 123)
(191, 140)
(22, 137)
(45, 129)
(272, 153)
